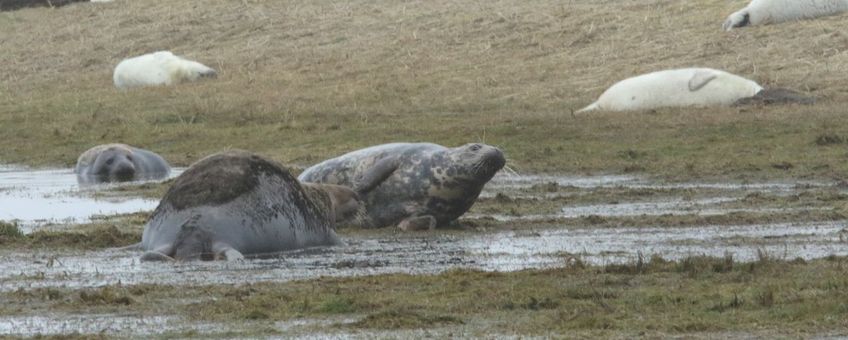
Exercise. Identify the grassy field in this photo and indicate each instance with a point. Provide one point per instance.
(301, 81)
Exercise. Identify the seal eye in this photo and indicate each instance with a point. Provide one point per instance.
(475, 147)
(110, 161)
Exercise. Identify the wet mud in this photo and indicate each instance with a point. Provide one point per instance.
(52, 195)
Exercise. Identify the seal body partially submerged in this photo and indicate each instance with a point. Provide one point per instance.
(119, 163)
(235, 204)
(412, 185)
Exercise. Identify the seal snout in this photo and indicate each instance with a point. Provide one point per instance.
(209, 74)
(492, 161)
(124, 171)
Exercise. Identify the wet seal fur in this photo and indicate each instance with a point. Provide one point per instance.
(159, 68)
(764, 12)
(700, 87)
(235, 204)
(119, 163)
(412, 185)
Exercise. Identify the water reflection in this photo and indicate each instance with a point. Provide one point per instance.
(33, 198)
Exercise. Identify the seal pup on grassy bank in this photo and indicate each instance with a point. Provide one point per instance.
(684, 87)
(674, 88)
(158, 68)
(119, 163)
(235, 204)
(763, 12)
(412, 185)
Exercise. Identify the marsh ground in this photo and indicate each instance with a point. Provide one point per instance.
(300, 81)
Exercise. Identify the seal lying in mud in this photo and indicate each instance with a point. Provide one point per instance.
(158, 68)
(235, 203)
(119, 163)
(686, 87)
(412, 185)
(763, 12)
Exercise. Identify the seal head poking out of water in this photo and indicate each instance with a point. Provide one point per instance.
(235, 204)
(119, 163)
(412, 185)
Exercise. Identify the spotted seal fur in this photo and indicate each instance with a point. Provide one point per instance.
(412, 185)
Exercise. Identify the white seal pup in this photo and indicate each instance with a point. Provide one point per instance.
(412, 185)
(675, 88)
(235, 204)
(158, 68)
(763, 12)
(119, 163)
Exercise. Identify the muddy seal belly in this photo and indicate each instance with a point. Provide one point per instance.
(235, 204)
(412, 185)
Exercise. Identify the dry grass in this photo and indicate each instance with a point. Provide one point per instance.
(304, 80)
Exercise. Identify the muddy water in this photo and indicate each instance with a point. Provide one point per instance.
(512, 182)
(432, 253)
(35, 198)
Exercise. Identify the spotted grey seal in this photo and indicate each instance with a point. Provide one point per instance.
(412, 185)
(119, 163)
(236, 203)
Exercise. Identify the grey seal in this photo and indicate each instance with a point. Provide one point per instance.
(412, 185)
(235, 204)
(119, 163)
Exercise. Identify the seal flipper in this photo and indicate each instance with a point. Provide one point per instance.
(131, 247)
(224, 251)
(159, 254)
(374, 176)
(700, 79)
(416, 223)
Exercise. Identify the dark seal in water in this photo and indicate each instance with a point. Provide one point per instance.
(119, 163)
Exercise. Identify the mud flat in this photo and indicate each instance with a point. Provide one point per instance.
(522, 227)
(434, 253)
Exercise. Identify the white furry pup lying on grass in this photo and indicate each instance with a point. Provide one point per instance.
(158, 68)
(763, 12)
(674, 88)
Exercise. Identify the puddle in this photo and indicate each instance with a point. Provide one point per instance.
(504, 181)
(157, 326)
(672, 206)
(57, 324)
(429, 253)
(34, 198)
